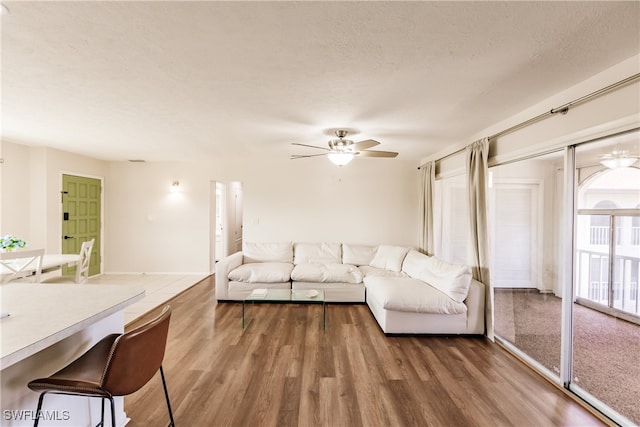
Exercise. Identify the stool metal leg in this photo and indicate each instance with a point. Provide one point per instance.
(101, 423)
(113, 412)
(35, 423)
(166, 395)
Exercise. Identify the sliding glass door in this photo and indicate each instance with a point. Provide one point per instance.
(565, 264)
(606, 319)
(565, 276)
(526, 262)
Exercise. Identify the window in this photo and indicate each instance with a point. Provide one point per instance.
(607, 269)
(453, 220)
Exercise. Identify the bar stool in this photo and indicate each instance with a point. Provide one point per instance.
(118, 365)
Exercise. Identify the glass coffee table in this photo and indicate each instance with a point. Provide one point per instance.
(302, 296)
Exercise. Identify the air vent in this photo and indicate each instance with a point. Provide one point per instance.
(137, 161)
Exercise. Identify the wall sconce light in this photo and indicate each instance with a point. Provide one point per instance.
(175, 187)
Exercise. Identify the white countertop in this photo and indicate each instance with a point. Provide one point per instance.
(43, 314)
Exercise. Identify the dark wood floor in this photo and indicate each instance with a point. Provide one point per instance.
(284, 370)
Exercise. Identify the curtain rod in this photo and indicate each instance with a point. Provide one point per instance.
(563, 109)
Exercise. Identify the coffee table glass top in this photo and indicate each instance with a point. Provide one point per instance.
(274, 295)
(309, 296)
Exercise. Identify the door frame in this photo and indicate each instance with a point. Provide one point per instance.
(230, 242)
(60, 212)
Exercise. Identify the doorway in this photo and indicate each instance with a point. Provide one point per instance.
(227, 221)
(81, 218)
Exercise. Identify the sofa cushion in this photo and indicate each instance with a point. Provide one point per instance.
(326, 273)
(410, 295)
(414, 263)
(319, 253)
(452, 279)
(368, 271)
(389, 257)
(263, 272)
(267, 252)
(358, 254)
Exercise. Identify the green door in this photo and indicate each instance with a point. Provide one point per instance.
(81, 218)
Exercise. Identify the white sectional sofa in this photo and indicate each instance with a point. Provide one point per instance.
(407, 292)
(289, 266)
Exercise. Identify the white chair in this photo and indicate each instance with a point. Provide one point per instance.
(82, 269)
(21, 264)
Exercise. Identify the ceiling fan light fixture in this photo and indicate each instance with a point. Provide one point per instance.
(340, 158)
(618, 162)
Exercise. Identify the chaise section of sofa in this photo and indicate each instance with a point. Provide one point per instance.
(432, 297)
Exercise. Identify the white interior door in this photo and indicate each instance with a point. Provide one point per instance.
(515, 231)
(226, 219)
(236, 215)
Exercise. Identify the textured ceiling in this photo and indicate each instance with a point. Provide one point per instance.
(192, 80)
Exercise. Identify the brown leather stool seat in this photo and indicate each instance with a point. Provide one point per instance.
(119, 364)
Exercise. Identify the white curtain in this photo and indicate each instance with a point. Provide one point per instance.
(477, 174)
(427, 184)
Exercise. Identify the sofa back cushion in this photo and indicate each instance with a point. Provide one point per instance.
(414, 263)
(389, 257)
(451, 279)
(317, 253)
(358, 254)
(267, 252)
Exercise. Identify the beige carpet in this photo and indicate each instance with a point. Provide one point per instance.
(606, 350)
(159, 288)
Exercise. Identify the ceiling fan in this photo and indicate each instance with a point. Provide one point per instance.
(617, 159)
(341, 151)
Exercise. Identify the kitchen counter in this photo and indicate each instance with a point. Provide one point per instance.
(49, 325)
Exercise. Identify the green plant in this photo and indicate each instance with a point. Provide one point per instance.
(10, 243)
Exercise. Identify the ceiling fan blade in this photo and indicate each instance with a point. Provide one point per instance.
(366, 153)
(363, 145)
(310, 146)
(298, 156)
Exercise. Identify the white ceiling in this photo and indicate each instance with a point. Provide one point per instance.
(195, 80)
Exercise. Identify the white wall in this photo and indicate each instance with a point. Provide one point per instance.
(148, 228)
(31, 185)
(615, 111)
(16, 195)
(369, 201)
